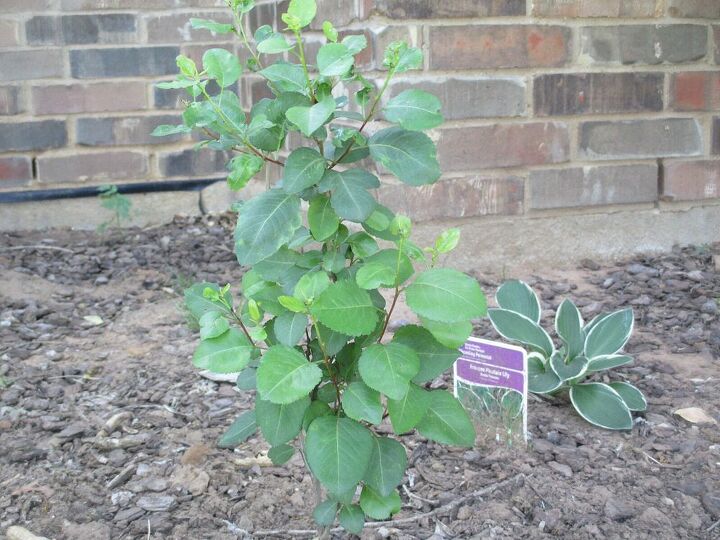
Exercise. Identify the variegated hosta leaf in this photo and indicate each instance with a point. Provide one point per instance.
(633, 398)
(568, 325)
(541, 378)
(600, 363)
(517, 296)
(575, 367)
(516, 327)
(610, 334)
(599, 404)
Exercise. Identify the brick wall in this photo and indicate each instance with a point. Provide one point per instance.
(550, 104)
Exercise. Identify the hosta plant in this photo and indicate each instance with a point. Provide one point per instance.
(585, 349)
(307, 329)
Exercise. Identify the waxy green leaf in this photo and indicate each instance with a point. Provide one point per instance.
(446, 421)
(281, 454)
(378, 506)
(334, 60)
(322, 218)
(285, 375)
(265, 223)
(415, 110)
(214, 27)
(338, 452)
(227, 353)
(446, 295)
(389, 368)
(406, 413)
(409, 155)
(304, 167)
(212, 325)
(289, 328)
(387, 465)
(362, 403)
(241, 429)
(346, 308)
(286, 77)
(434, 357)
(452, 335)
(310, 119)
(242, 169)
(303, 10)
(222, 65)
(280, 423)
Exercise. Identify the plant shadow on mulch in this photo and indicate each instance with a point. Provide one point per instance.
(107, 431)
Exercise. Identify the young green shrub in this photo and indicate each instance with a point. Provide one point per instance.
(308, 328)
(120, 205)
(587, 348)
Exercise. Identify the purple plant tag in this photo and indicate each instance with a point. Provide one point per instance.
(491, 382)
(492, 364)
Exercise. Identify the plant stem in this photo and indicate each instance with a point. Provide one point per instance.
(326, 361)
(301, 52)
(237, 130)
(389, 314)
(244, 328)
(397, 289)
(367, 118)
(324, 533)
(241, 27)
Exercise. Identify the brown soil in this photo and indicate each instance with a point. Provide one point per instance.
(156, 473)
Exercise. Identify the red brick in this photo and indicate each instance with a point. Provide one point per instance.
(469, 196)
(716, 136)
(696, 91)
(437, 9)
(692, 180)
(192, 162)
(709, 9)
(498, 46)
(86, 98)
(22, 65)
(510, 145)
(15, 171)
(716, 36)
(9, 33)
(592, 93)
(11, 101)
(83, 5)
(597, 8)
(175, 27)
(640, 138)
(592, 186)
(470, 97)
(124, 130)
(92, 167)
(340, 12)
(26, 6)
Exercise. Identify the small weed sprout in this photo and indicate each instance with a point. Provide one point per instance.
(120, 205)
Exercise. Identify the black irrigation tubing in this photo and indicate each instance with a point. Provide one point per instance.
(93, 191)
